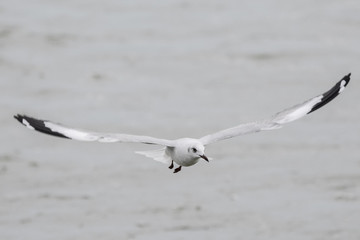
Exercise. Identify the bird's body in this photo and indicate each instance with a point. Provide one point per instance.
(188, 151)
(183, 153)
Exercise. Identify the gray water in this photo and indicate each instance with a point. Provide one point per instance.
(172, 69)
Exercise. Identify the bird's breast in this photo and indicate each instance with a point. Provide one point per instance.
(183, 159)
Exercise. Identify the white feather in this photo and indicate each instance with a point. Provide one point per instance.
(159, 155)
(342, 86)
(27, 124)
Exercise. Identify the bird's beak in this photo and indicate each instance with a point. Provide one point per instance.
(204, 157)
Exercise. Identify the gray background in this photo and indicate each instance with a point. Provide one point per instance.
(172, 69)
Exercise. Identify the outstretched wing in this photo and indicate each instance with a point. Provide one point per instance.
(285, 116)
(59, 130)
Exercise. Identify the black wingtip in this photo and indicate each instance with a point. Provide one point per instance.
(332, 93)
(346, 78)
(19, 118)
(38, 125)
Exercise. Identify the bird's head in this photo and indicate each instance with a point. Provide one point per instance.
(197, 151)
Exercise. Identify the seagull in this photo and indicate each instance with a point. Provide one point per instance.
(186, 152)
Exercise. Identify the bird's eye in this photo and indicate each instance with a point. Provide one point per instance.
(194, 150)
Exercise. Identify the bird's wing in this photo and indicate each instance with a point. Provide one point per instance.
(285, 116)
(59, 130)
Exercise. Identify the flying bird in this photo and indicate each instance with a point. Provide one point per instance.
(186, 152)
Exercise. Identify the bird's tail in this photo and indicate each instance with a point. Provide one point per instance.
(159, 155)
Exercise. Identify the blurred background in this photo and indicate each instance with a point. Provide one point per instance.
(170, 69)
